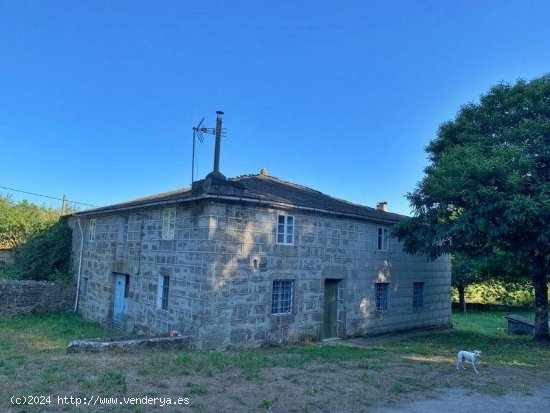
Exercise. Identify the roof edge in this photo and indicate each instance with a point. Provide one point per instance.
(241, 199)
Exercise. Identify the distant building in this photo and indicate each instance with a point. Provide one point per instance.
(253, 260)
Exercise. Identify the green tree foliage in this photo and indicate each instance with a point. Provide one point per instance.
(487, 187)
(41, 239)
(19, 221)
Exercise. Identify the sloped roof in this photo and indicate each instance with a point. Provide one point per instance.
(259, 188)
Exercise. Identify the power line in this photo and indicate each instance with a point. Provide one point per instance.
(47, 196)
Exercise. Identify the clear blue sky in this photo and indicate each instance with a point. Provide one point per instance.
(98, 98)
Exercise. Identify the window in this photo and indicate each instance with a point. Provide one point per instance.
(125, 229)
(383, 239)
(91, 230)
(84, 287)
(127, 287)
(285, 229)
(418, 295)
(162, 292)
(169, 223)
(381, 296)
(282, 297)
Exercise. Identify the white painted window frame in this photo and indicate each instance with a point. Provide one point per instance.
(169, 223)
(161, 297)
(382, 239)
(286, 231)
(92, 230)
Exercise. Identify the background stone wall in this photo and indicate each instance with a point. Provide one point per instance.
(36, 297)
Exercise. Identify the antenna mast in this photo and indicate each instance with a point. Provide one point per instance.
(198, 132)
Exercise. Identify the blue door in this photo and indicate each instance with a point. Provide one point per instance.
(120, 308)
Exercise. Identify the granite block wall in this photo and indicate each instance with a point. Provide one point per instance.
(222, 264)
(35, 297)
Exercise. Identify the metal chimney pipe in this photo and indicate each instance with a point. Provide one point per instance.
(218, 142)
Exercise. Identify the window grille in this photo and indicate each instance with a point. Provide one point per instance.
(381, 296)
(282, 297)
(418, 295)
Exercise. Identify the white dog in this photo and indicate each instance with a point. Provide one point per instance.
(466, 355)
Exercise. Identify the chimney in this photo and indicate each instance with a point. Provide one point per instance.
(382, 206)
(216, 174)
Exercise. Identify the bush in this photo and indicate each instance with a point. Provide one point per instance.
(46, 255)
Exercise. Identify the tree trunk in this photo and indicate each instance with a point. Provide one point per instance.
(541, 299)
(461, 298)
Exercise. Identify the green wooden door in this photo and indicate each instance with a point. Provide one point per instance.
(330, 309)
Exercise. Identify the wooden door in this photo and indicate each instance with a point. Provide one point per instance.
(330, 311)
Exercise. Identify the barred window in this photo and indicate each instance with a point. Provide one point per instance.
(168, 223)
(418, 295)
(383, 239)
(285, 229)
(381, 296)
(91, 230)
(162, 292)
(282, 297)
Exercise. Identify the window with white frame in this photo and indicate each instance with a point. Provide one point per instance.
(383, 239)
(381, 296)
(91, 230)
(162, 292)
(418, 295)
(282, 297)
(285, 229)
(168, 223)
(125, 226)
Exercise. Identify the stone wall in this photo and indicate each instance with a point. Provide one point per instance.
(140, 252)
(325, 248)
(34, 297)
(222, 264)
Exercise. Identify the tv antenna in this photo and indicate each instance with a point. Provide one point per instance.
(198, 132)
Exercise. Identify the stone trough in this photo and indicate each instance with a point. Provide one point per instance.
(128, 344)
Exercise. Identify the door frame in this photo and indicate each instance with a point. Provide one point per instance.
(120, 299)
(330, 308)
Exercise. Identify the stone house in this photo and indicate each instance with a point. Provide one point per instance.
(253, 260)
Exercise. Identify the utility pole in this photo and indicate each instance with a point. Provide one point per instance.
(64, 205)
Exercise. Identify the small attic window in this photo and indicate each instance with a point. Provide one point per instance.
(285, 229)
(168, 223)
(91, 230)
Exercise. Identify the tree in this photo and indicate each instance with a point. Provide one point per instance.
(486, 189)
(464, 271)
(19, 221)
(41, 239)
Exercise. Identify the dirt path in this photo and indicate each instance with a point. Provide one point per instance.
(460, 400)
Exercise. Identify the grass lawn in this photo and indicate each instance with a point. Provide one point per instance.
(316, 377)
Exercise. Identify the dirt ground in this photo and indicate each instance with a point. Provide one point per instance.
(460, 400)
